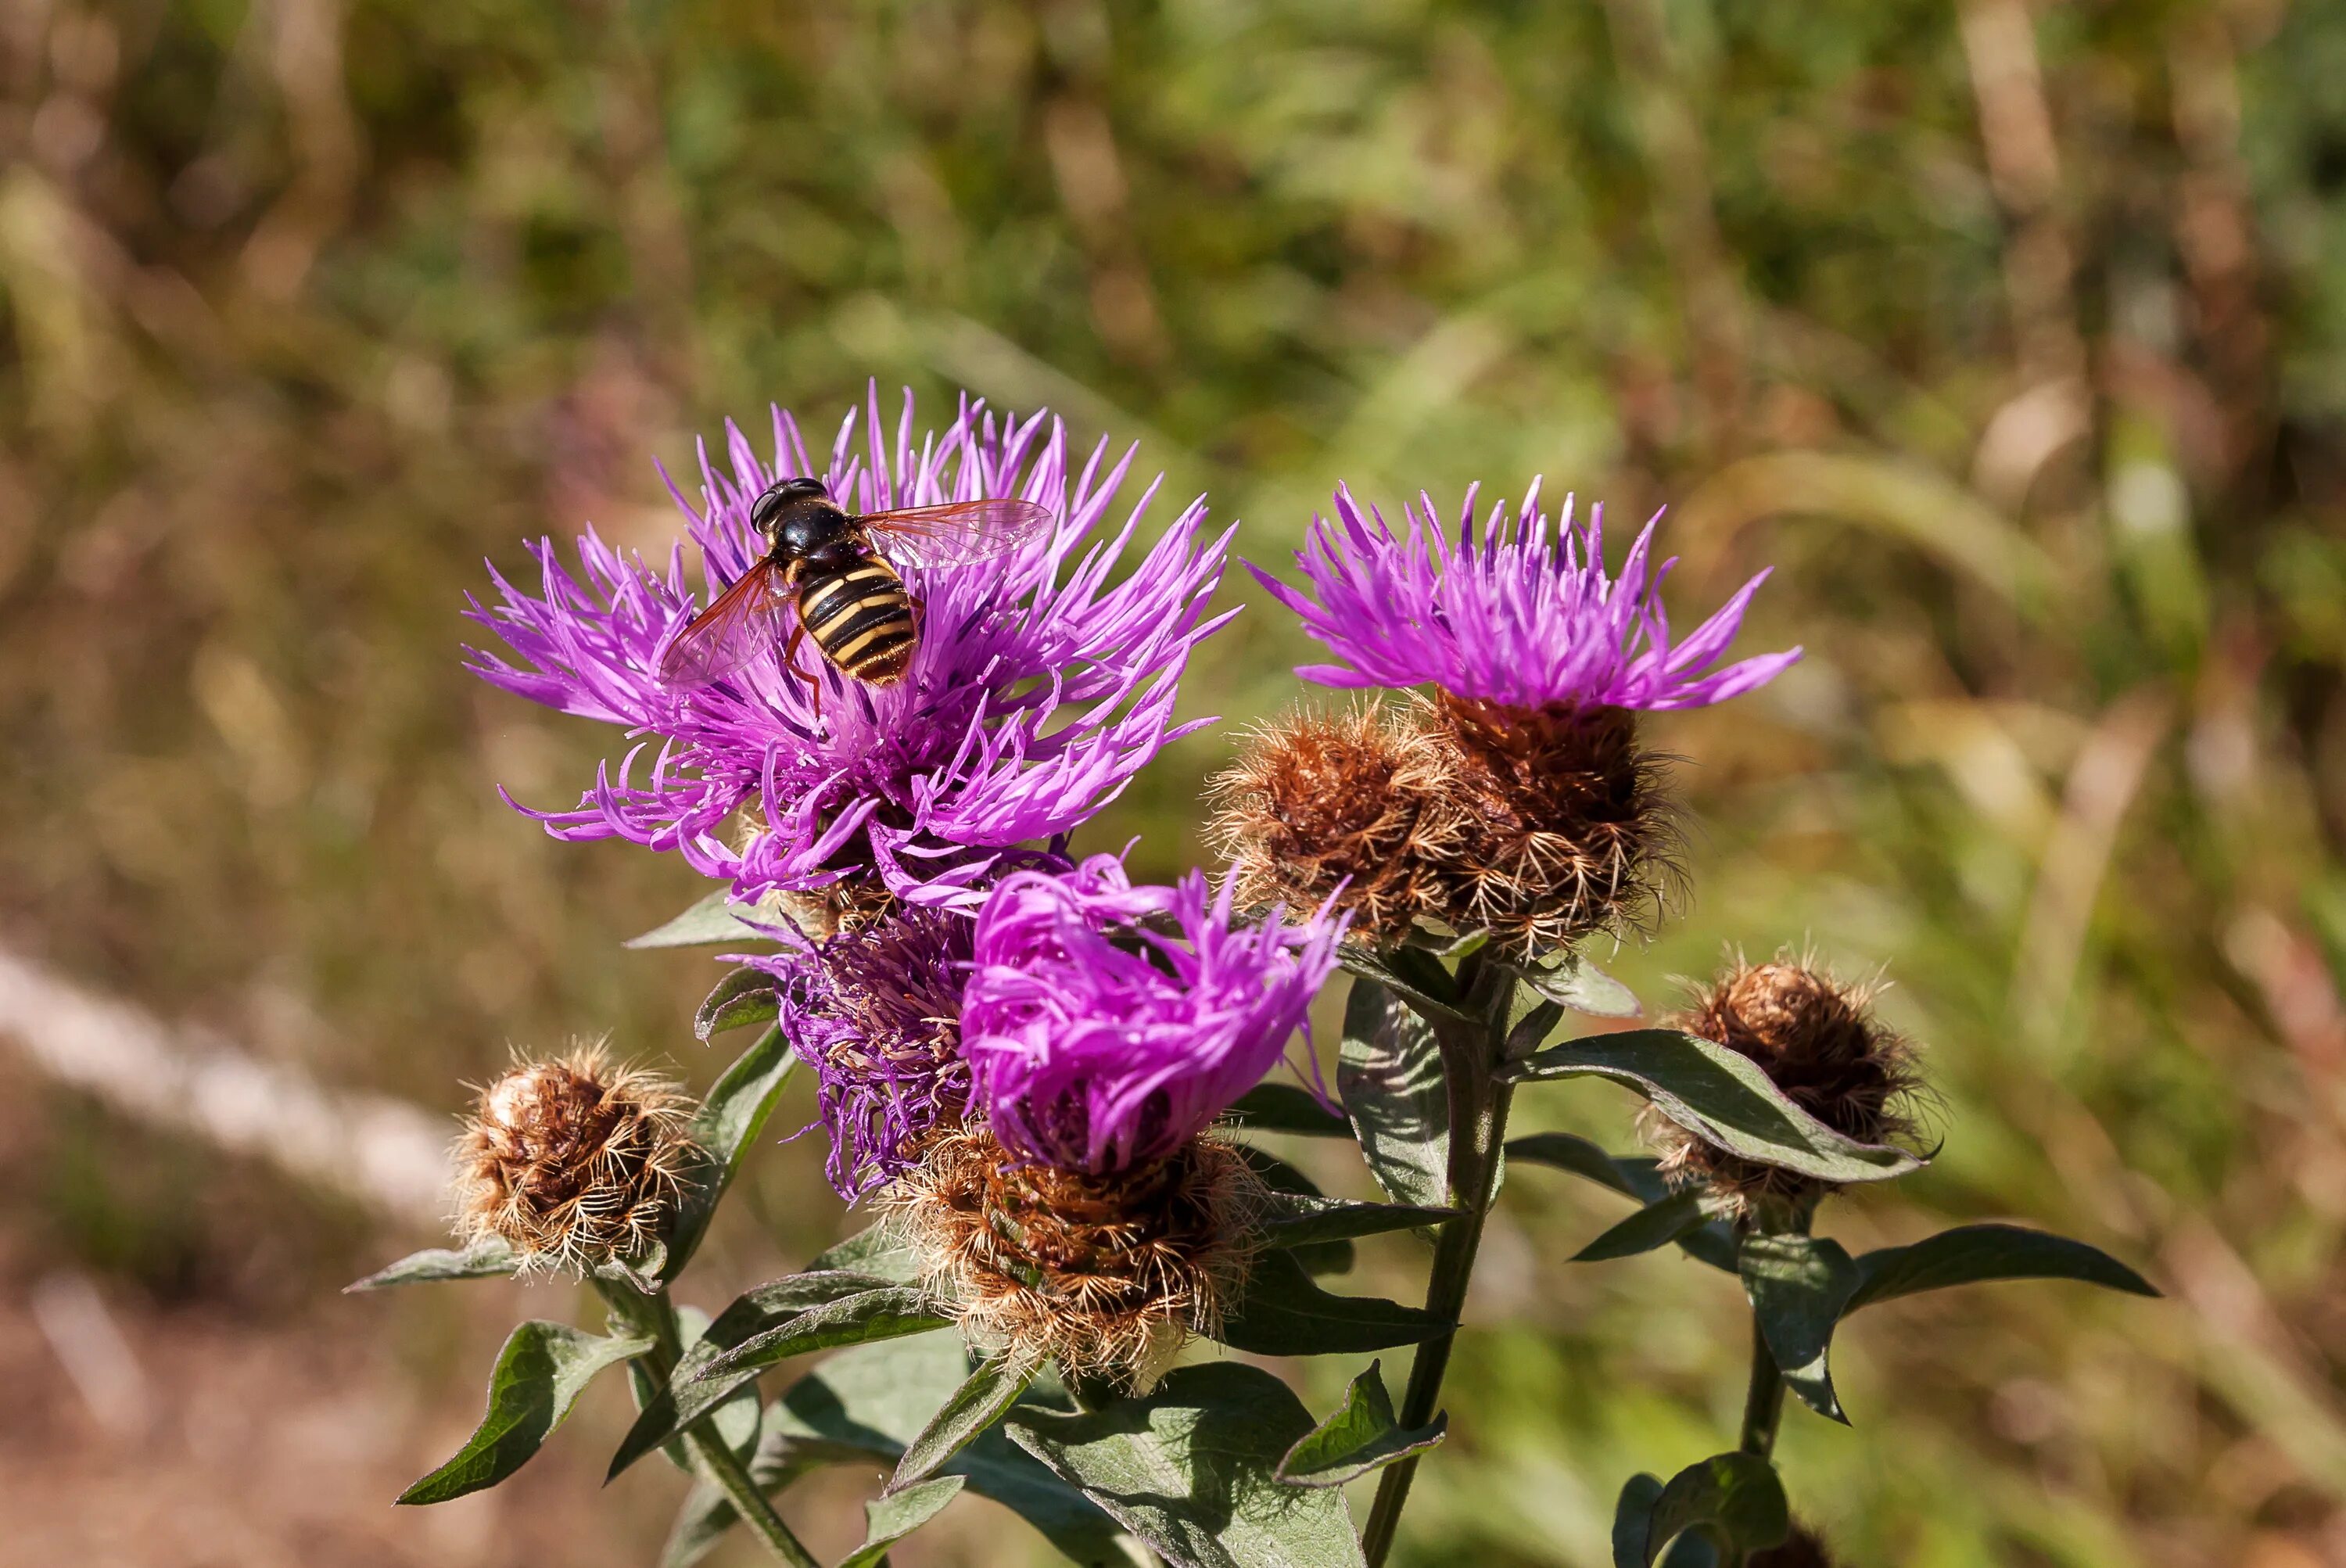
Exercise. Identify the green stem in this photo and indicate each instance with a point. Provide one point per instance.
(718, 1464)
(1764, 1402)
(1478, 1127)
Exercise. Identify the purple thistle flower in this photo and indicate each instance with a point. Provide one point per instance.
(876, 1014)
(1522, 618)
(1037, 691)
(1098, 1045)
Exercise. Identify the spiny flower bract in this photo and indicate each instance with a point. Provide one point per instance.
(1523, 617)
(1039, 688)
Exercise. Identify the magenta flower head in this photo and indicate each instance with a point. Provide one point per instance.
(1036, 691)
(1524, 618)
(1101, 1045)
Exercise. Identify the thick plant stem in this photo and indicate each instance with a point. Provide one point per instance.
(656, 1316)
(1764, 1402)
(1479, 1105)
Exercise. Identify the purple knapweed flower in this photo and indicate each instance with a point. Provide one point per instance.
(1100, 1044)
(876, 1014)
(1524, 618)
(1037, 691)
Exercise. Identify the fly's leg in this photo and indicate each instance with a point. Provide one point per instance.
(790, 663)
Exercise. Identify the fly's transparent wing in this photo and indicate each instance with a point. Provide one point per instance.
(743, 622)
(958, 532)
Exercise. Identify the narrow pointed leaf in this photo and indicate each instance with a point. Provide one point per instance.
(1298, 1221)
(689, 1394)
(538, 1377)
(490, 1259)
(1722, 1097)
(744, 997)
(1282, 1312)
(977, 1404)
(1389, 1076)
(867, 1402)
(1286, 1108)
(716, 917)
(1529, 1031)
(1287, 1184)
(1362, 1436)
(735, 1420)
(1711, 1243)
(730, 1120)
(1633, 1518)
(1800, 1286)
(1975, 1254)
(886, 1313)
(1734, 1499)
(890, 1518)
(876, 1250)
(1580, 986)
(1656, 1224)
(1192, 1470)
(1440, 1000)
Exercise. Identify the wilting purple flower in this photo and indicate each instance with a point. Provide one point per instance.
(1097, 1044)
(1524, 618)
(1037, 691)
(877, 1014)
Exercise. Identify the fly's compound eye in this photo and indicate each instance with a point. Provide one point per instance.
(766, 512)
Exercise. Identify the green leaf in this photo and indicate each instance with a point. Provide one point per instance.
(716, 917)
(1287, 1182)
(876, 1250)
(892, 1517)
(1633, 1518)
(1389, 1076)
(1580, 986)
(1427, 986)
(1800, 1286)
(870, 1401)
(735, 1420)
(1362, 1436)
(1975, 1254)
(1656, 1224)
(1298, 1221)
(1734, 1499)
(538, 1379)
(744, 997)
(885, 1313)
(1286, 1108)
(998, 1383)
(486, 1259)
(692, 1394)
(1282, 1313)
(1192, 1470)
(1713, 1242)
(728, 1121)
(1534, 1027)
(1722, 1097)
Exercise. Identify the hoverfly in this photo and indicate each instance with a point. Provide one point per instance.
(825, 564)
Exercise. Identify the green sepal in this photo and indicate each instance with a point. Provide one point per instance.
(1976, 1254)
(539, 1375)
(1192, 1469)
(744, 997)
(1800, 1286)
(1362, 1436)
(1722, 1097)
(1281, 1312)
(486, 1259)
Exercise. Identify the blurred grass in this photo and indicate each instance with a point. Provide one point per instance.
(2014, 341)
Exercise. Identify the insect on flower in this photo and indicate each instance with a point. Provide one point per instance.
(826, 564)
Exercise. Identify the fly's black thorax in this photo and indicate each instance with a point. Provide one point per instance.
(856, 612)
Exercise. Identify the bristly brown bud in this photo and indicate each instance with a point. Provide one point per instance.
(1804, 1548)
(1568, 826)
(573, 1161)
(1363, 797)
(1818, 1042)
(1108, 1275)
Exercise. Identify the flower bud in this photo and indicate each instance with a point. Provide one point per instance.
(1819, 1043)
(573, 1161)
(1360, 801)
(1569, 828)
(1108, 1273)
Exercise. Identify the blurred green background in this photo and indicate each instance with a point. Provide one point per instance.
(2014, 336)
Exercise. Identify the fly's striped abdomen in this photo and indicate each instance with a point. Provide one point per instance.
(860, 619)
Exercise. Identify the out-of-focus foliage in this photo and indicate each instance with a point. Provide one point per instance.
(2017, 338)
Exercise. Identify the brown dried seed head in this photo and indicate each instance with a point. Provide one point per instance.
(1568, 827)
(1109, 1276)
(573, 1161)
(1314, 798)
(1818, 1042)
